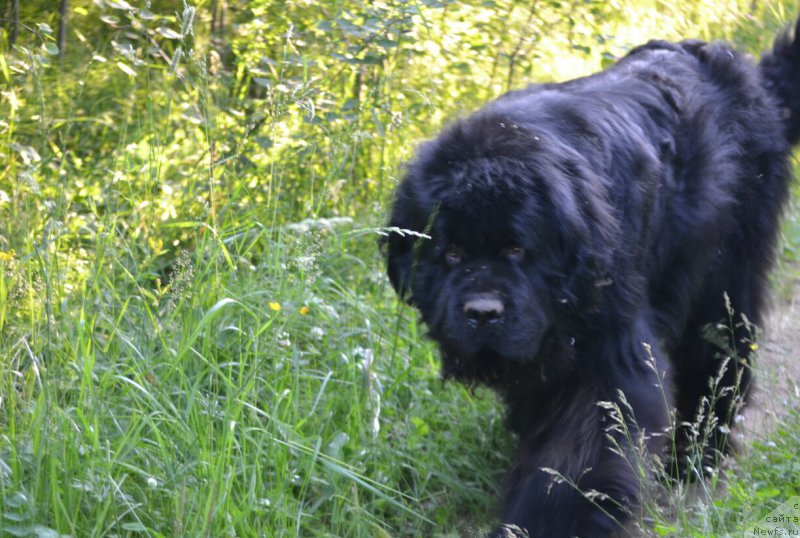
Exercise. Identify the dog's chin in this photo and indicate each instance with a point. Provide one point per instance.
(497, 350)
(514, 343)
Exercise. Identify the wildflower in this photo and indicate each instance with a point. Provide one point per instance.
(6, 256)
(283, 339)
(276, 307)
(753, 346)
(317, 333)
(304, 310)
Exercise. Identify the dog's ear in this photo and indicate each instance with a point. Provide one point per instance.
(400, 244)
(399, 252)
(590, 233)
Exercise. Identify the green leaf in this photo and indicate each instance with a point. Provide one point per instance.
(120, 4)
(134, 526)
(50, 48)
(168, 33)
(125, 68)
(420, 426)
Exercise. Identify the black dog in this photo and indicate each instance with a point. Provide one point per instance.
(571, 244)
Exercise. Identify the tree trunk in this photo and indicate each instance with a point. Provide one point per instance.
(217, 17)
(62, 30)
(12, 35)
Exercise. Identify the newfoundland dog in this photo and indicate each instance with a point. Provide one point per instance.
(597, 252)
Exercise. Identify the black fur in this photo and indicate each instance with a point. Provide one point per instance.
(583, 236)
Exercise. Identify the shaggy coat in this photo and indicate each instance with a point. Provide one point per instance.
(597, 252)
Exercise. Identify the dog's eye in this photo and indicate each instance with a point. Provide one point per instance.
(453, 255)
(514, 253)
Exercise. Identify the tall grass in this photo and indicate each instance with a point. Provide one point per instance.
(197, 336)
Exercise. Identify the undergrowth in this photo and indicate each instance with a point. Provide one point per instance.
(197, 335)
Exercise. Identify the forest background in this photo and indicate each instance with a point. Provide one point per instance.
(197, 336)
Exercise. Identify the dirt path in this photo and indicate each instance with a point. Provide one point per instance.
(778, 381)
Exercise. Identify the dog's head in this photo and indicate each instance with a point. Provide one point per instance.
(509, 229)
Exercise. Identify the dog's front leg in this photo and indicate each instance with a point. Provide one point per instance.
(581, 458)
(572, 478)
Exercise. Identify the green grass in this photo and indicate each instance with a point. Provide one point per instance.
(218, 405)
(197, 335)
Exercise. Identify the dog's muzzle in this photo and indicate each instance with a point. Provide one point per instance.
(483, 309)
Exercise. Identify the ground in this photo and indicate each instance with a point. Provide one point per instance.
(778, 385)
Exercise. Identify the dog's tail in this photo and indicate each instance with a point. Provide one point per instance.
(780, 70)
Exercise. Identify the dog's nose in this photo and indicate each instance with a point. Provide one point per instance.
(484, 308)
